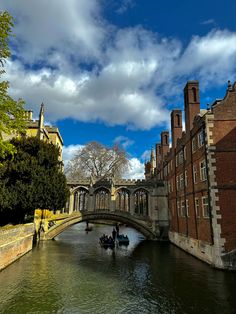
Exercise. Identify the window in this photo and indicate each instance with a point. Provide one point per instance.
(181, 181)
(171, 165)
(186, 177)
(178, 208)
(176, 160)
(123, 200)
(177, 183)
(185, 153)
(181, 157)
(197, 211)
(183, 209)
(81, 200)
(166, 139)
(141, 202)
(165, 171)
(203, 174)
(194, 174)
(178, 119)
(187, 208)
(194, 91)
(102, 197)
(201, 138)
(169, 186)
(205, 207)
(194, 145)
(169, 168)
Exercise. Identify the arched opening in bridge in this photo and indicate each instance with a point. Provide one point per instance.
(102, 199)
(123, 200)
(80, 199)
(141, 202)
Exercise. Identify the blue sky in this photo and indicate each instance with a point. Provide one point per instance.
(111, 71)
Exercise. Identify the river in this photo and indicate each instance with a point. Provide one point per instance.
(73, 274)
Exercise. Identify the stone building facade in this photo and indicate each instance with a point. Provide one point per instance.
(38, 128)
(200, 173)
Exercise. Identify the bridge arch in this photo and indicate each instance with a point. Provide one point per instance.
(78, 187)
(125, 218)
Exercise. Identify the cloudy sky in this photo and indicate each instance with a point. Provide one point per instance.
(112, 70)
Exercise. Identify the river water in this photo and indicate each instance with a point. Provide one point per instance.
(73, 274)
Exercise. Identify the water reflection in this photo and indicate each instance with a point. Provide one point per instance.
(73, 274)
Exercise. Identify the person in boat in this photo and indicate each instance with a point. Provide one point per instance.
(114, 234)
(110, 240)
(117, 229)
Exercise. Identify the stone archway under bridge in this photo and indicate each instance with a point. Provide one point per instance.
(53, 226)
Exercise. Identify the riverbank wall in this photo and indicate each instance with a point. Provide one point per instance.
(15, 241)
(210, 254)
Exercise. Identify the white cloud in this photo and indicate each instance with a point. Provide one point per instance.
(136, 169)
(208, 22)
(44, 27)
(69, 152)
(83, 68)
(125, 5)
(146, 155)
(124, 141)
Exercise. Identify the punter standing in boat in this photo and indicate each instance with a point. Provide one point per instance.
(117, 229)
(114, 234)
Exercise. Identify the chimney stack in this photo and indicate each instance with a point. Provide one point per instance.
(164, 143)
(158, 156)
(191, 103)
(176, 126)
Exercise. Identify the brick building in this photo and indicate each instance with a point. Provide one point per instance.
(200, 174)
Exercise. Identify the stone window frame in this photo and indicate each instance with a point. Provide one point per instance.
(194, 144)
(185, 153)
(183, 208)
(194, 174)
(205, 207)
(178, 208)
(181, 181)
(201, 138)
(203, 172)
(197, 207)
(186, 178)
(177, 183)
(187, 207)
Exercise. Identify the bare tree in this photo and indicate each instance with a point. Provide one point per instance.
(97, 161)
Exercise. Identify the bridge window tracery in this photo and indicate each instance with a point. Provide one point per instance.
(102, 198)
(81, 200)
(123, 200)
(141, 202)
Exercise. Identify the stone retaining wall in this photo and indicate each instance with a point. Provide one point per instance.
(15, 241)
(204, 251)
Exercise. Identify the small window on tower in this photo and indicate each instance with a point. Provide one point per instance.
(178, 119)
(166, 139)
(194, 94)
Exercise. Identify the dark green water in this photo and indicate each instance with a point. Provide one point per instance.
(73, 274)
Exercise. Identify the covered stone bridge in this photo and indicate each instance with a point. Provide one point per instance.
(141, 204)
